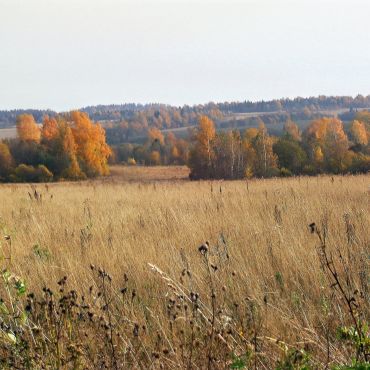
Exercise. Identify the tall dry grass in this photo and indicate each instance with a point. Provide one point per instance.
(257, 295)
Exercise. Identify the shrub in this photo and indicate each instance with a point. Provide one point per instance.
(43, 174)
(24, 173)
(310, 170)
(284, 172)
(131, 162)
(360, 164)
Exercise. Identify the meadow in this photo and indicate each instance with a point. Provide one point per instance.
(145, 269)
(8, 133)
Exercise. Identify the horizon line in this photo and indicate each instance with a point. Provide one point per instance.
(185, 104)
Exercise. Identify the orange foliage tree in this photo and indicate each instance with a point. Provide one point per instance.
(359, 134)
(6, 160)
(201, 156)
(155, 135)
(73, 171)
(205, 136)
(75, 146)
(92, 149)
(329, 135)
(27, 128)
(50, 129)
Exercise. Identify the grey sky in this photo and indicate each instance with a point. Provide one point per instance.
(64, 54)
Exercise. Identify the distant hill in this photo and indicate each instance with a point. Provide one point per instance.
(166, 116)
(314, 104)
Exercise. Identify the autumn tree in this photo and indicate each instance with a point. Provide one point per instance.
(290, 154)
(318, 156)
(215, 114)
(291, 129)
(228, 163)
(67, 146)
(250, 133)
(58, 141)
(27, 128)
(92, 149)
(123, 152)
(6, 161)
(328, 134)
(358, 133)
(155, 135)
(336, 147)
(49, 130)
(182, 147)
(72, 170)
(175, 154)
(171, 153)
(202, 155)
(316, 131)
(266, 159)
(155, 158)
(364, 116)
(249, 152)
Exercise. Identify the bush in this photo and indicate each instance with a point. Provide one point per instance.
(24, 173)
(43, 174)
(284, 172)
(310, 170)
(272, 172)
(360, 164)
(131, 162)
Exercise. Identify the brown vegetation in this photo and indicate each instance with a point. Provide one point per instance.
(147, 174)
(144, 290)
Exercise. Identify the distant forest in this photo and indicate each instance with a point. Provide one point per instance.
(297, 136)
(167, 116)
(72, 146)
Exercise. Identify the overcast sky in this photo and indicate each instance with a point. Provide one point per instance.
(65, 54)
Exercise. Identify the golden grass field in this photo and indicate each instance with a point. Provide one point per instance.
(263, 295)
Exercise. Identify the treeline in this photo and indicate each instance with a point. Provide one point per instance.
(130, 121)
(273, 120)
(324, 147)
(158, 117)
(67, 146)
(167, 116)
(313, 104)
(136, 128)
(158, 149)
(9, 117)
(71, 146)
